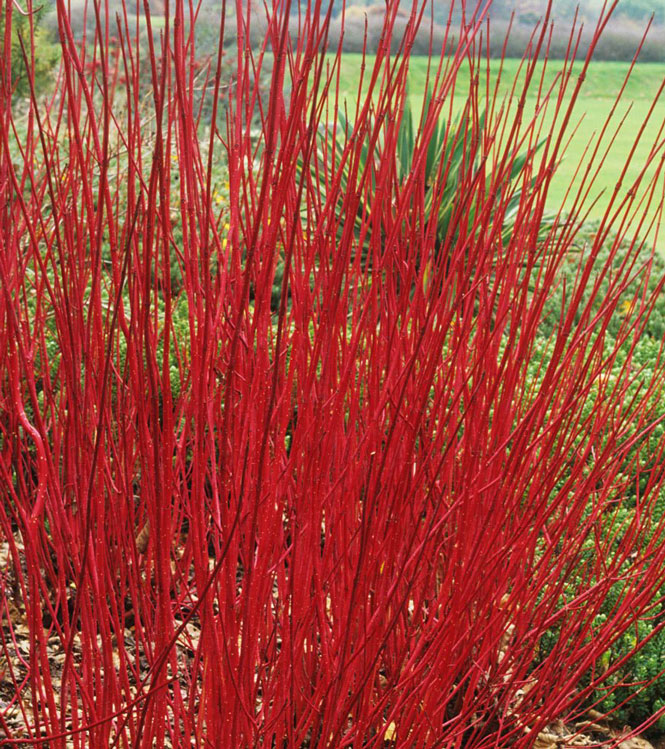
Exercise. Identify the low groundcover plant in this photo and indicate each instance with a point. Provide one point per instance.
(411, 494)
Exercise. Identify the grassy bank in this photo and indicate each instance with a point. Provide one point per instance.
(599, 93)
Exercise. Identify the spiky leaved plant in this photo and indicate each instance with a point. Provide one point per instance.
(452, 148)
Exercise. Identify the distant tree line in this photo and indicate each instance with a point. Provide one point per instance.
(363, 22)
(529, 11)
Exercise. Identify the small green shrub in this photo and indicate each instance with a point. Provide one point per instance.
(46, 53)
(635, 473)
(628, 306)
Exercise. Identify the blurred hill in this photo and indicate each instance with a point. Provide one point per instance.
(365, 17)
(529, 11)
(620, 41)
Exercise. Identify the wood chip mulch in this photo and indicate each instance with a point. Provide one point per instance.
(17, 714)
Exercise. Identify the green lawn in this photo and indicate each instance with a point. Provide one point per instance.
(598, 95)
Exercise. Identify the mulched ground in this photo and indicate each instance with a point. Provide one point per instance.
(601, 734)
(16, 714)
(14, 669)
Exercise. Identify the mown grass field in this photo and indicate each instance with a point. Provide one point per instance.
(598, 94)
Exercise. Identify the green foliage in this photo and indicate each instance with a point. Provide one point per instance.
(627, 309)
(45, 56)
(642, 672)
(640, 678)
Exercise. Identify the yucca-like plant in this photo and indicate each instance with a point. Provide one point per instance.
(453, 149)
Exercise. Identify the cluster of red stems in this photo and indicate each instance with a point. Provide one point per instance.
(359, 514)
